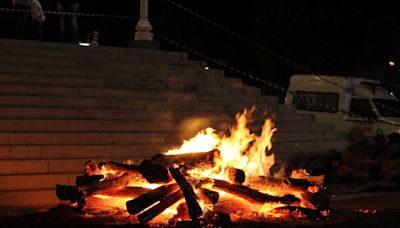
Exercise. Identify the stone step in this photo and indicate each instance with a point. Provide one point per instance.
(49, 166)
(103, 126)
(97, 138)
(83, 151)
(142, 72)
(121, 103)
(288, 149)
(36, 181)
(170, 126)
(13, 200)
(102, 52)
(9, 55)
(132, 90)
(91, 77)
(289, 136)
(107, 67)
(303, 126)
(100, 114)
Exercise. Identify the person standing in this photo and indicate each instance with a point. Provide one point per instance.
(72, 27)
(38, 19)
(22, 17)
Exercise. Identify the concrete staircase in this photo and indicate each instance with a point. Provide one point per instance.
(61, 104)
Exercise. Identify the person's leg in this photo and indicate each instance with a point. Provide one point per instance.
(37, 30)
(61, 30)
(22, 20)
(74, 23)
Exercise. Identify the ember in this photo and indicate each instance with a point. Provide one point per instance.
(208, 180)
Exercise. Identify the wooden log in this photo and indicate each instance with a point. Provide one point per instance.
(188, 159)
(120, 181)
(120, 167)
(67, 192)
(209, 196)
(91, 168)
(236, 175)
(252, 195)
(74, 193)
(301, 183)
(165, 203)
(147, 199)
(153, 173)
(128, 191)
(85, 179)
(190, 197)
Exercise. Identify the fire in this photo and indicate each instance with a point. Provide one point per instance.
(237, 180)
(204, 141)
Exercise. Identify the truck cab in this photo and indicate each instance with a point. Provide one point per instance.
(347, 103)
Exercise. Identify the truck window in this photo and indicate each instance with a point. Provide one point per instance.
(360, 107)
(388, 108)
(329, 99)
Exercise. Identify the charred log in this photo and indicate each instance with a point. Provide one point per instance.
(120, 167)
(122, 180)
(190, 197)
(184, 159)
(147, 199)
(251, 194)
(236, 175)
(128, 191)
(209, 196)
(83, 180)
(165, 203)
(153, 173)
(301, 183)
(66, 192)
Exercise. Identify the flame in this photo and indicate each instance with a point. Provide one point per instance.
(204, 141)
(242, 149)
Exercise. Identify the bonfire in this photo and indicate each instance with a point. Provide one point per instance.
(209, 179)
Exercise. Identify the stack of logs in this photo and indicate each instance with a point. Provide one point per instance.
(146, 204)
(369, 161)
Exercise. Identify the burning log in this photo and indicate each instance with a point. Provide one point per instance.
(186, 159)
(122, 180)
(74, 193)
(153, 173)
(66, 192)
(120, 167)
(85, 179)
(152, 212)
(128, 191)
(145, 200)
(190, 197)
(209, 196)
(251, 194)
(302, 183)
(236, 175)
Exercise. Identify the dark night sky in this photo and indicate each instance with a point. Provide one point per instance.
(354, 38)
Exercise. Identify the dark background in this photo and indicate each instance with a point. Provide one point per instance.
(351, 38)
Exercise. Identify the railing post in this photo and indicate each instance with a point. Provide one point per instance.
(143, 26)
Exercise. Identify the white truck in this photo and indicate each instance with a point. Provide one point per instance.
(347, 102)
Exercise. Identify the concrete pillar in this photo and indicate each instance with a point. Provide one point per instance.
(143, 26)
